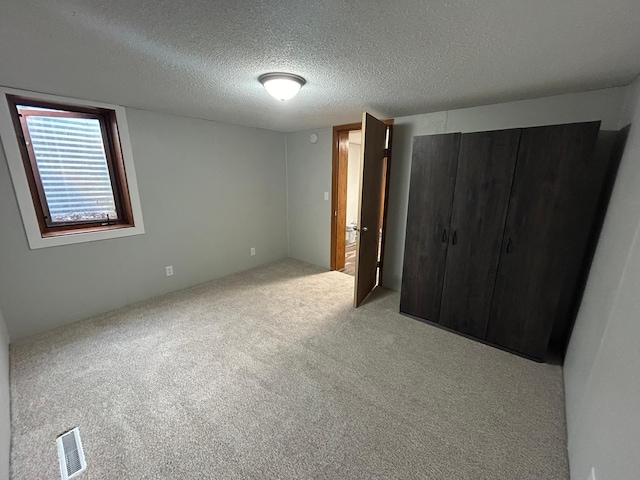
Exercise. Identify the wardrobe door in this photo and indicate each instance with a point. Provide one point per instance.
(551, 211)
(433, 176)
(485, 170)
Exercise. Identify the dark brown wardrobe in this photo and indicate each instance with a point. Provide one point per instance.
(499, 227)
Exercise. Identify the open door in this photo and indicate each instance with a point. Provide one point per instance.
(374, 134)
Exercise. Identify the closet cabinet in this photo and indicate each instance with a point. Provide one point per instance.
(498, 228)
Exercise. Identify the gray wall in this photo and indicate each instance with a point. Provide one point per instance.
(5, 413)
(602, 366)
(209, 192)
(604, 105)
(308, 177)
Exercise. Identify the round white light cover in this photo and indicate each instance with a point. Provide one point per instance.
(282, 88)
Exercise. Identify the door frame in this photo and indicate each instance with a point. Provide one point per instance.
(339, 132)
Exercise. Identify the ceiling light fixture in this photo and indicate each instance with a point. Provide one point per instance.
(282, 86)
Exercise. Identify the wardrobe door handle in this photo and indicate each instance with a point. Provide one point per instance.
(444, 236)
(455, 237)
(509, 244)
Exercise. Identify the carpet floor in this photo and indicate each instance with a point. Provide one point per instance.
(270, 373)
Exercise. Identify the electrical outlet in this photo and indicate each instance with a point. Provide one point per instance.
(326, 195)
(169, 269)
(253, 251)
(592, 474)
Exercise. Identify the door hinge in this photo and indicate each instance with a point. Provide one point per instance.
(335, 214)
(387, 152)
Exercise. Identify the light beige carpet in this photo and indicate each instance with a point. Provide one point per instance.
(271, 373)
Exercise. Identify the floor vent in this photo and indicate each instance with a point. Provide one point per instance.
(70, 454)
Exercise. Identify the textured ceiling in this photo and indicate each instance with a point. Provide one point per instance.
(201, 58)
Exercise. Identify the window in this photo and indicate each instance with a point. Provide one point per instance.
(71, 166)
(74, 166)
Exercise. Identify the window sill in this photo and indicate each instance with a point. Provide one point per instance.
(56, 239)
(78, 231)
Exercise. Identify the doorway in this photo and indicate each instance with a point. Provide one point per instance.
(347, 176)
(353, 175)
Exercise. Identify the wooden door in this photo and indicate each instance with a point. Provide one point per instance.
(551, 211)
(483, 184)
(433, 176)
(374, 134)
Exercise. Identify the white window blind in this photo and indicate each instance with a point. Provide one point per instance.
(73, 168)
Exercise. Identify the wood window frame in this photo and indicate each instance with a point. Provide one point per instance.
(14, 158)
(113, 154)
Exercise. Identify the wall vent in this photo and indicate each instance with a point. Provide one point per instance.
(70, 454)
